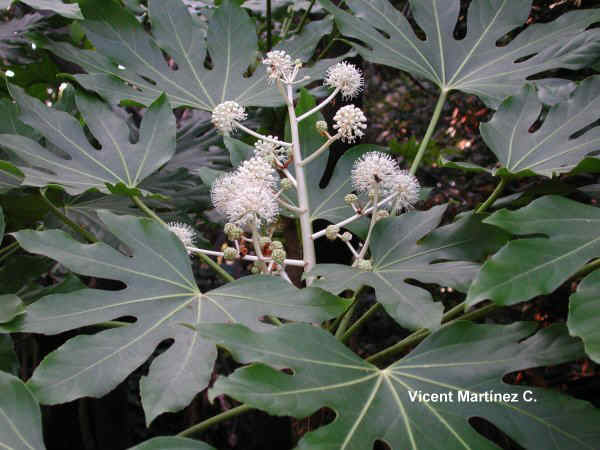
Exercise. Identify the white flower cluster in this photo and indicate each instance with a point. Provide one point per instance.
(185, 233)
(225, 114)
(350, 123)
(271, 152)
(376, 170)
(248, 195)
(279, 65)
(345, 77)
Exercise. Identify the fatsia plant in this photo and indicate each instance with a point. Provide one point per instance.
(293, 323)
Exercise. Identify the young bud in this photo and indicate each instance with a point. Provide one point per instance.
(276, 245)
(231, 253)
(347, 236)
(286, 184)
(321, 126)
(232, 231)
(255, 270)
(364, 264)
(278, 255)
(331, 232)
(350, 199)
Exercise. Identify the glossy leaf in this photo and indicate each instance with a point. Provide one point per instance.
(172, 443)
(476, 64)
(118, 165)
(68, 10)
(161, 293)
(551, 149)
(8, 357)
(584, 314)
(129, 63)
(20, 416)
(398, 256)
(375, 404)
(567, 237)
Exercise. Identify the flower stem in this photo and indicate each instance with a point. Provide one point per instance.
(287, 262)
(75, 227)
(492, 198)
(257, 249)
(320, 106)
(229, 414)
(261, 137)
(305, 16)
(308, 246)
(213, 265)
(363, 250)
(432, 124)
(360, 322)
(346, 319)
(422, 333)
(9, 248)
(320, 150)
(269, 26)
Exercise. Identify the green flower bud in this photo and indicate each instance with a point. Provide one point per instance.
(232, 231)
(230, 254)
(278, 255)
(255, 270)
(321, 126)
(365, 265)
(347, 236)
(276, 245)
(350, 199)
(331, 232)
(286, 184)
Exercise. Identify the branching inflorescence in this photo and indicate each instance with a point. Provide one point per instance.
(250, 197)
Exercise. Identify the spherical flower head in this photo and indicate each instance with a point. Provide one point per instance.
(350, 123)
(408, 189)
(276, 245)
(259, 170)
(350, 199)
(225, 114)
(346, 77)
(185, 233)
(347, 236)
(279, 255)
(375, 171)
(279, 65)
(271, 152)
(247, 195)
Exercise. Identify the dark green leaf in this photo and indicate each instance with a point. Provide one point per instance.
(20, 417)
(551, 149)
(162, 294)
(397, 256)
(69, 10)
(584, 314)
(10, 307)
(129, 64)
(8, 357)
(118, 164)
(372, 403)
(476, 64)
(172, 443)
(525, 268)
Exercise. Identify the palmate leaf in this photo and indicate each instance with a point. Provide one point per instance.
(374, 404)
(551, 149)
(160, 293)
(525, 268)
(129, 64)
(12, 37)
(397, 256)
(118, 166)
(172, 443)
(68, 10)
(476, 64)
(20, 416)
(584, 314)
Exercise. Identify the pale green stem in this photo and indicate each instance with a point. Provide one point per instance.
(434, 120)
(75, 227)
(320, 150)
(492, 198)
(257, 249)
(289, 206)
(305, 16)
(346, 319)
(229, 414)
(260, 136)
(320, 106)
(365, 247)
(360, 322)
(308, 246)
(213, 265)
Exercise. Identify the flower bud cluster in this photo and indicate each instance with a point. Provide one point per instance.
(345, 77)
(225, 114)
(247, 195)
